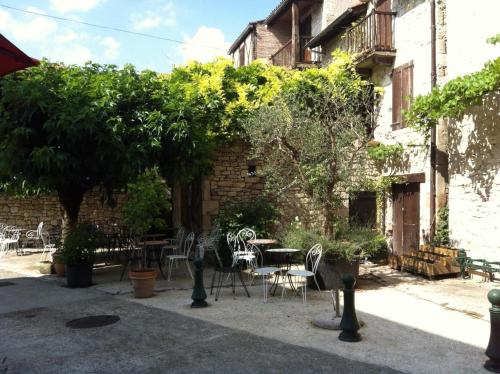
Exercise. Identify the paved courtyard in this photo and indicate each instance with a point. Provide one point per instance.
(411, 325)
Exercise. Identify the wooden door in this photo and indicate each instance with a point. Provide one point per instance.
(406, 218)
(383, 25)
(305, 35)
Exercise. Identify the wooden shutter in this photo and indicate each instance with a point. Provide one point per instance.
(396, 99)
(242, 55)
(402, 93)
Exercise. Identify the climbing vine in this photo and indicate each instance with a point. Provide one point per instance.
(455, 97)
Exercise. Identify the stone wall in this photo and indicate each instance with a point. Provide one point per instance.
(230, 182)
(28, 212)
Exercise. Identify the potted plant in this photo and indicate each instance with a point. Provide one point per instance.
(58, 264)
(340, 255)
(143, 211)
(78, 253)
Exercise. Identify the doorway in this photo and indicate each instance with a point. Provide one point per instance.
(405, 218)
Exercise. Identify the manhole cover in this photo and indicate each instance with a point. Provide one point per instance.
(92, 321)
(3, 284)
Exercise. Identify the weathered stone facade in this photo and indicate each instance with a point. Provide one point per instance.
(230, 183)
(233, 181)
(26, 213)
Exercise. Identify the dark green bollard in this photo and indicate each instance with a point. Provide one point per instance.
(349, 323)
(493, 349)
(462, 258)
(199, 295)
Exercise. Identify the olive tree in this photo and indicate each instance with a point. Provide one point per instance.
(314, 134)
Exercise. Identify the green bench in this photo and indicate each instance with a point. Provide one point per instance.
(478, 266)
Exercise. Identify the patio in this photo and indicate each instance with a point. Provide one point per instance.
(421, 343)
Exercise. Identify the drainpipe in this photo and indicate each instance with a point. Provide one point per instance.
(432, 182)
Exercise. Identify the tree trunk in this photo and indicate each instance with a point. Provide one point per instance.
(70, 203)
(328, 223)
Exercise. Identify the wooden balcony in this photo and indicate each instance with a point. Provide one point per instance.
(371, 39)
(284, 56)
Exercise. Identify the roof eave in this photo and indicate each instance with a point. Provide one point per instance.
(247, 30)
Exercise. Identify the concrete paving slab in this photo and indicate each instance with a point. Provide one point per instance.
(149, 340)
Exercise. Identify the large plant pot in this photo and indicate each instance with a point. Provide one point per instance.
(59, 266)
(143, 282)
(79, 275)
(330, 271)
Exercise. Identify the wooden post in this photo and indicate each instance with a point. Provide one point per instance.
(295, 34)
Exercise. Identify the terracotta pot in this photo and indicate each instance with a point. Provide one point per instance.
(143, 282)
(59, 266)
(44, 267)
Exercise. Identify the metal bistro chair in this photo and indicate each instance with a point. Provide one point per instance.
(209, 243)
(174, 245)
(313, 258)
(231, 271)
(187, 245)
(11, 239)
(35, 235)
(266, 272)
(243, 252)
(48, 247)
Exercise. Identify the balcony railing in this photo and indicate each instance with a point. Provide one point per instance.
(283, 57)
(372, 33)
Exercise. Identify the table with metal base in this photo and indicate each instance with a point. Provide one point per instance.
(148, 247)
(287, 253)
(223, 271)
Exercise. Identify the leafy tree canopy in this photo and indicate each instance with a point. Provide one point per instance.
(314, 132)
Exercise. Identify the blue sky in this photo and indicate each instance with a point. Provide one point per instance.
(214, 23)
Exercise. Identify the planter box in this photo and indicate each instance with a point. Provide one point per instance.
(79, 275)
(330, 271)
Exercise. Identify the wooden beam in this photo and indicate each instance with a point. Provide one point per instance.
(295, 34)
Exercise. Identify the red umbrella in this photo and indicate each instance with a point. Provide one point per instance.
(12, 58)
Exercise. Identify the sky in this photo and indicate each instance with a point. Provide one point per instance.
(198, 23)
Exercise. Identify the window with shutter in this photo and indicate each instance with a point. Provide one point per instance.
(402, 93)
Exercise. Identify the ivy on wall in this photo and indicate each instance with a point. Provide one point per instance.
(455, 97)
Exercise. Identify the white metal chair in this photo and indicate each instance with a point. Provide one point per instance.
(313, 258)
(48, 247)
(35, 235)
(266, 272)
(174, 245)
(187, 245)
(10, 239)
(243, 252)
(209, 243)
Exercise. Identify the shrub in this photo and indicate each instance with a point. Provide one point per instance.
(80, 244)
(442, 235)
(147, 203)
(354, 243)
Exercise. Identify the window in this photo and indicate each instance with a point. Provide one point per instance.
(402, 93)
(242, 55)
(252, 170)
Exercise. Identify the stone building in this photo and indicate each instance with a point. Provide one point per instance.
(394, 45)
